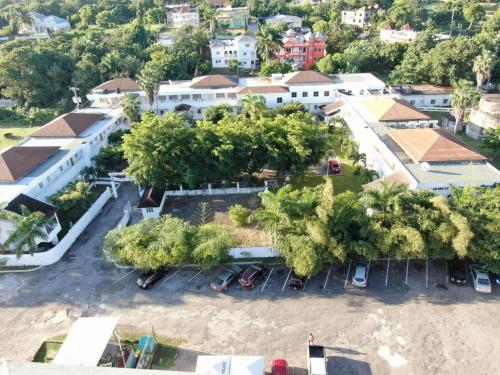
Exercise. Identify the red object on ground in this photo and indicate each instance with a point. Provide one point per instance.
(334, 167)
(280, 367)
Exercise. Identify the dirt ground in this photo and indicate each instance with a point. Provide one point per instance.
(401, 328)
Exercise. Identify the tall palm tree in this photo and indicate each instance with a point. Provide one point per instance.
(200, 36)
(383, 198)
(483, 65)
(149, 80)
(463, 96)
(253, 106)
(269, 40)
(130, 106)
(29, 227)
(17, 16)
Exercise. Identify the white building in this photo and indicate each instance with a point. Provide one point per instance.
(485, 116)
(359, 17)
(310, 88)
(242, 48)
(45, 24)
(50, 158)
(404, 145)
(289, 21)
(404, 34)
(183, 15)
(423, 96)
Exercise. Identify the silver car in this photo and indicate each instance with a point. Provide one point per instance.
(480, 279)
(360, 277)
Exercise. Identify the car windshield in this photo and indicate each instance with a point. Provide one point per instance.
(224, 275)
(359, 279)
(482, 281)
(459, 274)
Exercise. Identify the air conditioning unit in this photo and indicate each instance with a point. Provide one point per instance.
(276, 76)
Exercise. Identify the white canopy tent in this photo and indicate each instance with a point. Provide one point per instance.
(86, 341)
(230, 365)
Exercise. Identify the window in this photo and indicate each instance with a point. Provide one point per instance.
(162, 98)
(445, 101)
(199, 111)
(412, 102)
(316, 93)
(48, 180)
(279, 100)
(185, 96)
(315, 106)
(327, 93)
(304, 94)
(161, 113)
(149, 209)
(244, 53)
(247, 45)
(40, 185)
(231, 95)
(433, 101)
(220, 95)
(173, 97)
(294, 94)
(61, 168)
(196, 96)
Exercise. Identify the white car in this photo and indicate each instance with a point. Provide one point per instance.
(360, 277)
(480, 279)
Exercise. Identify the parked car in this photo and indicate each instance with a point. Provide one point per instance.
(296, 282)
(225, 278)
(360, 277)
(334, 166)
(280, 367)
(250, 275)
(480, 279)
(147, 279)
(458, 272)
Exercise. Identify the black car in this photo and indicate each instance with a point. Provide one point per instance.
(250, 275)
(225, 278)
(458, 273)
(296, 282)
(147, 279)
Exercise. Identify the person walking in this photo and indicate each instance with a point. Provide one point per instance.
(310, 339)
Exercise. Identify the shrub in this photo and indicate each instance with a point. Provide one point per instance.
(239, 215)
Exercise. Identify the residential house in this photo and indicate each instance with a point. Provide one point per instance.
(218, 3)
(405, 34)
(289, 21)
(183, 15)
(42, 24)
(242, 49)
(301, 49)
(424, 95)
(485, 116)
(151, 202)
(360, 17)
(404, 145)
(232, 18)
(193, 97)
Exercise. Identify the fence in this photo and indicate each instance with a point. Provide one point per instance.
(53, 255)
(253, 252)
(221, 191)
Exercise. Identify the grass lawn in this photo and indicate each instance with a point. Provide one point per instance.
(481, 148)
(17, 131)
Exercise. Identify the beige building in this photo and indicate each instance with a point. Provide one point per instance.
(487, 115)
(359, 17)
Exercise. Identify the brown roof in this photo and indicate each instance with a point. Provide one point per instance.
(263, 89)
(217, 2)
(32, 204)
(398, 177)
(308, 76)
(426, 89)
(433, 145)
(16, 162)
(332, 107)
(151, 197)
(214, 81)
(122, 84)
(68, 125)
(392, 109)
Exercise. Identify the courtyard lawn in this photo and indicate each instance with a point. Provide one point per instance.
(481, 148)
(12, 133)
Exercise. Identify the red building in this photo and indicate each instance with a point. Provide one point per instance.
(302, 49)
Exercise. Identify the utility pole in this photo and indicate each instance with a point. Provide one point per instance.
(76, 99)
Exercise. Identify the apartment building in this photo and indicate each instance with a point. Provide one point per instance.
(302, 48)
(404, 35)
(182, 15)
(404, 145)
(424, 95)
(232, 18)
(193, 97)
(242, 49)
(359, 17)
(49, 159)
(42, 24)
(291, 22)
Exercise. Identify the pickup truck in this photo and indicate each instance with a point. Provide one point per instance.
(317, 360)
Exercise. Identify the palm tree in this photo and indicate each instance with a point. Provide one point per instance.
(463, 96)
(368, 175)
(29, 227)
(149, 80)
(130, 106)
(253, 106)
(17, 17)
(200, 36)
(348, 147)
(269, 40)
(483, 65)
(359, 158)
(383, 198)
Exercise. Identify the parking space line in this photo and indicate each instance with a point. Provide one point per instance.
(347, 276)
(267, 279)
(387, 272)
(191, 279)
(286, 281)
(427, 271)
(124, 276)
(407, 267)
(327, 275)
(446, 270)
(175, 273)
(305, 284)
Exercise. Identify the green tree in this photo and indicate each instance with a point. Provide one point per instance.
(463, 96)
(274, 66)
(253, 106)
(110, 159)
(212, 244)
(235, 67)
(131, 106)
(492, 140)
(289, 108)
(406, 11)
(473, 12)
(269, 40)
(330, 64)
(216, 113)
(483, 65)
(238, 215)
(149, 80)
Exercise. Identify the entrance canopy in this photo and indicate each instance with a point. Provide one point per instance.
(86, 341)
(229, 365)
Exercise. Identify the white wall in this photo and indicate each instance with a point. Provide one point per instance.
(253, 252)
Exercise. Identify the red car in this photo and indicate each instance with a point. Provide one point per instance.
(280, 367)
(334, 166)
(251, 274)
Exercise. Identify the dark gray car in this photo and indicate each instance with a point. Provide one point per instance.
(225, 278)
